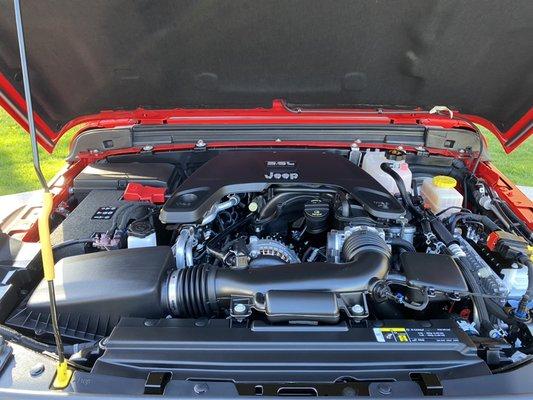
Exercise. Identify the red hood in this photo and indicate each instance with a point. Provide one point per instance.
(168, 61)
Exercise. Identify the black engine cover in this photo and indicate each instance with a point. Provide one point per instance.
(254, 171)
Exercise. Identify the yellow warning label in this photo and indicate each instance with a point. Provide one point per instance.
(392, 329)
(415, 335)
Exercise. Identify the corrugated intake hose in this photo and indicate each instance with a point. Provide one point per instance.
(204, 290)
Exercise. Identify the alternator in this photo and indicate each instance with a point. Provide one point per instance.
(265, 252)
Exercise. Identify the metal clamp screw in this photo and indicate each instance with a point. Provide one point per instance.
(239, 308)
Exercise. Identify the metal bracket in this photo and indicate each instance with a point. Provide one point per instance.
(241, 309)
(183, 248)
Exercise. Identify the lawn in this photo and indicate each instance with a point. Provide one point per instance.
(16, 167)
(17, 174)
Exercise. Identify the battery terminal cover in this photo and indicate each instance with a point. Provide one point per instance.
(139, 192)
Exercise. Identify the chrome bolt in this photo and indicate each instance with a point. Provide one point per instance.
(358, 309)
(239, 308)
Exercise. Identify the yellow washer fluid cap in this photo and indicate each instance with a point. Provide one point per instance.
(445, 182)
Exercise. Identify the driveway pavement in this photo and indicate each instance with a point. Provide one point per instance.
(11, 202)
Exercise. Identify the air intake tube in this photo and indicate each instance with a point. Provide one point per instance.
(205, 290)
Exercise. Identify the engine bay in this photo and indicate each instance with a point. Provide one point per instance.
(362, 247)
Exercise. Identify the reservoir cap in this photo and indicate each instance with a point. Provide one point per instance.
(445, 182)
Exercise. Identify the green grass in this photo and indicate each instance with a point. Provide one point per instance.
(17, 174)
(16, 167)
(518, 165)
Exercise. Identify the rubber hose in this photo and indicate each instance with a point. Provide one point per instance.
(457, 170)
(403, 244)
(282, 200)
(496, 310)
(529, 265)
(203, 290)
(512, 216)
(72, 242)
(16, 337)
(401, 187)
(486, 221)
(442, 232)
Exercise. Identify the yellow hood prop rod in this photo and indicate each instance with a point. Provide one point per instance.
(63, 373)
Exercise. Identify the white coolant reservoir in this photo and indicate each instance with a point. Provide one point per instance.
(439, 194)
(372, 161)
(141, 234)
(516, 280)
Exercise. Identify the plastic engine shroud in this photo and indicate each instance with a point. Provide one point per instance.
(254, 171)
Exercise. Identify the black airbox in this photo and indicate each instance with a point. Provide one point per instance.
(109, 284)
(437, 271)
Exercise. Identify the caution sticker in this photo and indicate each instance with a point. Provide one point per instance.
(415, 335)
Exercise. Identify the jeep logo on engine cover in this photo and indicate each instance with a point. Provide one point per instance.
(281, 170)
(285, 175)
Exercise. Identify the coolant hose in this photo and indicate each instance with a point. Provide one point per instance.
(282, 200)
(204, 290)
(456, 170)
(401, 186)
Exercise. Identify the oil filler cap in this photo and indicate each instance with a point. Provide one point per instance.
(316, 214)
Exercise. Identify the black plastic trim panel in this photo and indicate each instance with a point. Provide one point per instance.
(216, 349)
